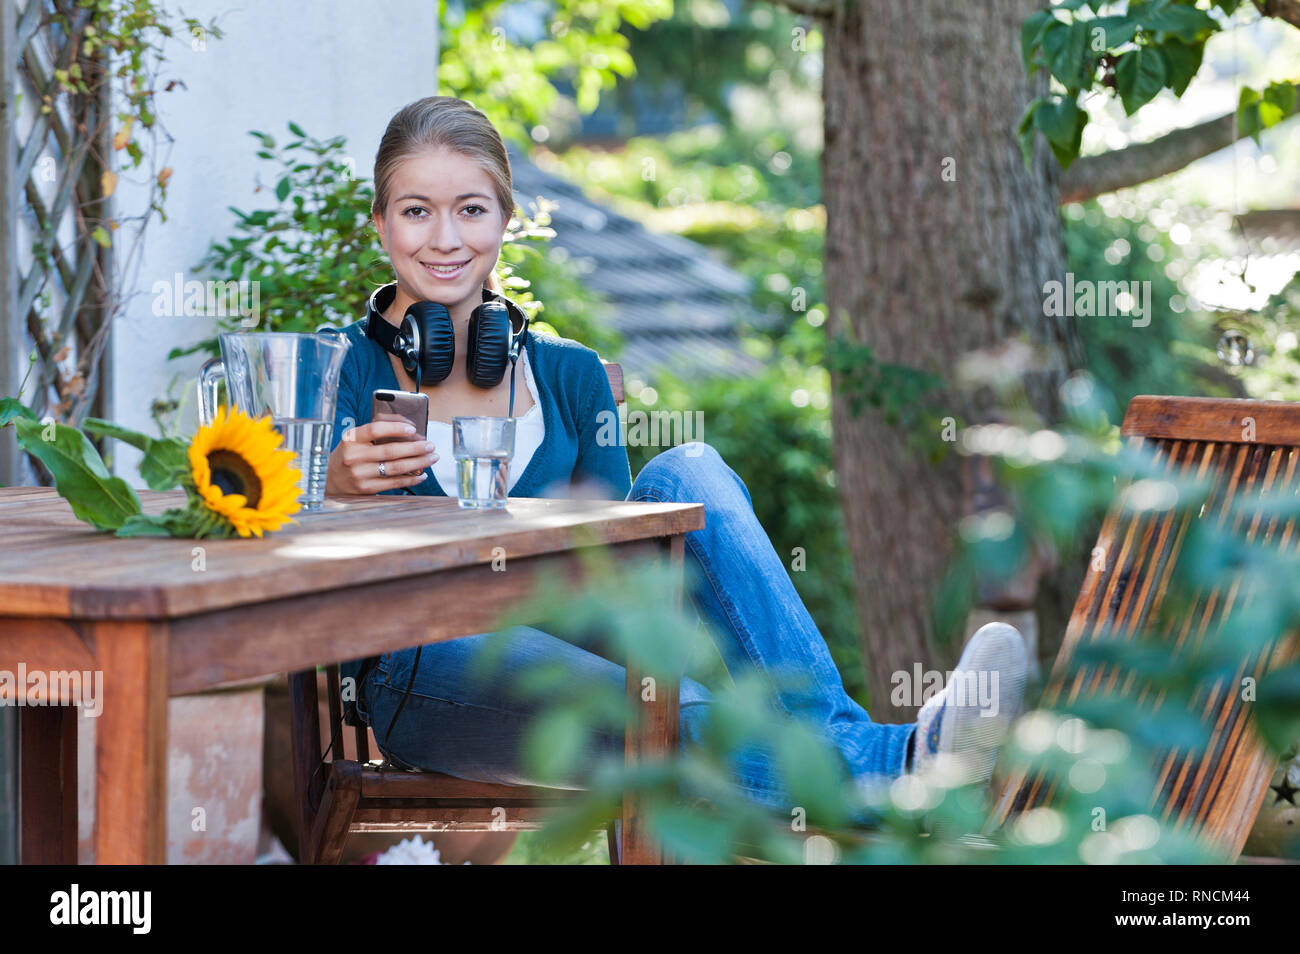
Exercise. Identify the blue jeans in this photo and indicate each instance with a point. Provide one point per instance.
(456, 724)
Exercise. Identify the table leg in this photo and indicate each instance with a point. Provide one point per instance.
(131, 743)
(654, 730)
(47, 795)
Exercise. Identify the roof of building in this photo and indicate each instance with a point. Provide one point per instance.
(672, 301)
(1280, 225)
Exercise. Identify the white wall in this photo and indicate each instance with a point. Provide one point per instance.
(336, 67)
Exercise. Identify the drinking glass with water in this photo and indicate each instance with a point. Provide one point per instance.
(482, 447)
(292, 377)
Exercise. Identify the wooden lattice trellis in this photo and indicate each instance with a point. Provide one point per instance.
(56, 278)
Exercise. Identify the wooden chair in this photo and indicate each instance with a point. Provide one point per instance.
(1249, 451)
(342, 795)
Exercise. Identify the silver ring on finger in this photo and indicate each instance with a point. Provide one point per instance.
(383, 470)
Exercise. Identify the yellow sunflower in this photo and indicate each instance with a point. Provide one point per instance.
(240, 475)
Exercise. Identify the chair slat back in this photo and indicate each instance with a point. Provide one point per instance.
(1248, 452)
(615, 373)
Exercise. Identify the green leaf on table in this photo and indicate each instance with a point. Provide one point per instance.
(144, 525)
(165, 459)
(1182, 61)
(80, 475)
(11, 408)
(164, 463)
(194, 521)
(1139, 74)
(102, 428)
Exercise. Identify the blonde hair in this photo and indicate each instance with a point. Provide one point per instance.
(444, 122)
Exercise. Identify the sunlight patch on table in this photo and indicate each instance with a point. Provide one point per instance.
(342, 545)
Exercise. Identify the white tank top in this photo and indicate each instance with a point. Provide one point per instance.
(529, 432)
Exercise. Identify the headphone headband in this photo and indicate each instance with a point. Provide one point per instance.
(376, 326)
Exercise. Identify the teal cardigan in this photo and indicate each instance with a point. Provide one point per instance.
(573, 389)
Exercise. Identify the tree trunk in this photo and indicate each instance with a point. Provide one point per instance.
(924, 270)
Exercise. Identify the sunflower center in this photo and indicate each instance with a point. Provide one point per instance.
(234, 475)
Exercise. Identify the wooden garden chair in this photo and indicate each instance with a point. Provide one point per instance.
(343, 795)
(1217, 790)
(1249, 452)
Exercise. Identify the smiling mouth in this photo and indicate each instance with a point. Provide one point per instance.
(445, 272)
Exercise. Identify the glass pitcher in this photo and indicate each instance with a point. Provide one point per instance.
(292, 377)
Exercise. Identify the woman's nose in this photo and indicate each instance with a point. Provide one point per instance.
(445, 234)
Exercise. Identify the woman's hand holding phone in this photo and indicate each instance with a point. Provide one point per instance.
(354, 464)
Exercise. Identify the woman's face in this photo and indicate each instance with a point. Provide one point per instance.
(442, 228)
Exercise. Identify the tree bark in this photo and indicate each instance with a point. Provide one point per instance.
(924, 270)
(1288, 10)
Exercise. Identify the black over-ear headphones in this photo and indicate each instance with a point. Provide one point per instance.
(426, 339)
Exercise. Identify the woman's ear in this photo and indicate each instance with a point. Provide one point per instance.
(379, 227)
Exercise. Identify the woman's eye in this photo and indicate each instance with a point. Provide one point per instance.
(412, 209)
(479, 207)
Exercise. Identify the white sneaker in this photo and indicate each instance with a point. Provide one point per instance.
(970, 717)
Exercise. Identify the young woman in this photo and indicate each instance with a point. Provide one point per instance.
(443, 198)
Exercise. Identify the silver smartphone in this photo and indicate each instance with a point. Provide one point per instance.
(409, 406)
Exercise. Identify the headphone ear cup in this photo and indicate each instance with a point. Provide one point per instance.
(437, 338)
(487, 350)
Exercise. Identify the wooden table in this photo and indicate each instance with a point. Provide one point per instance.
(161, 617)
